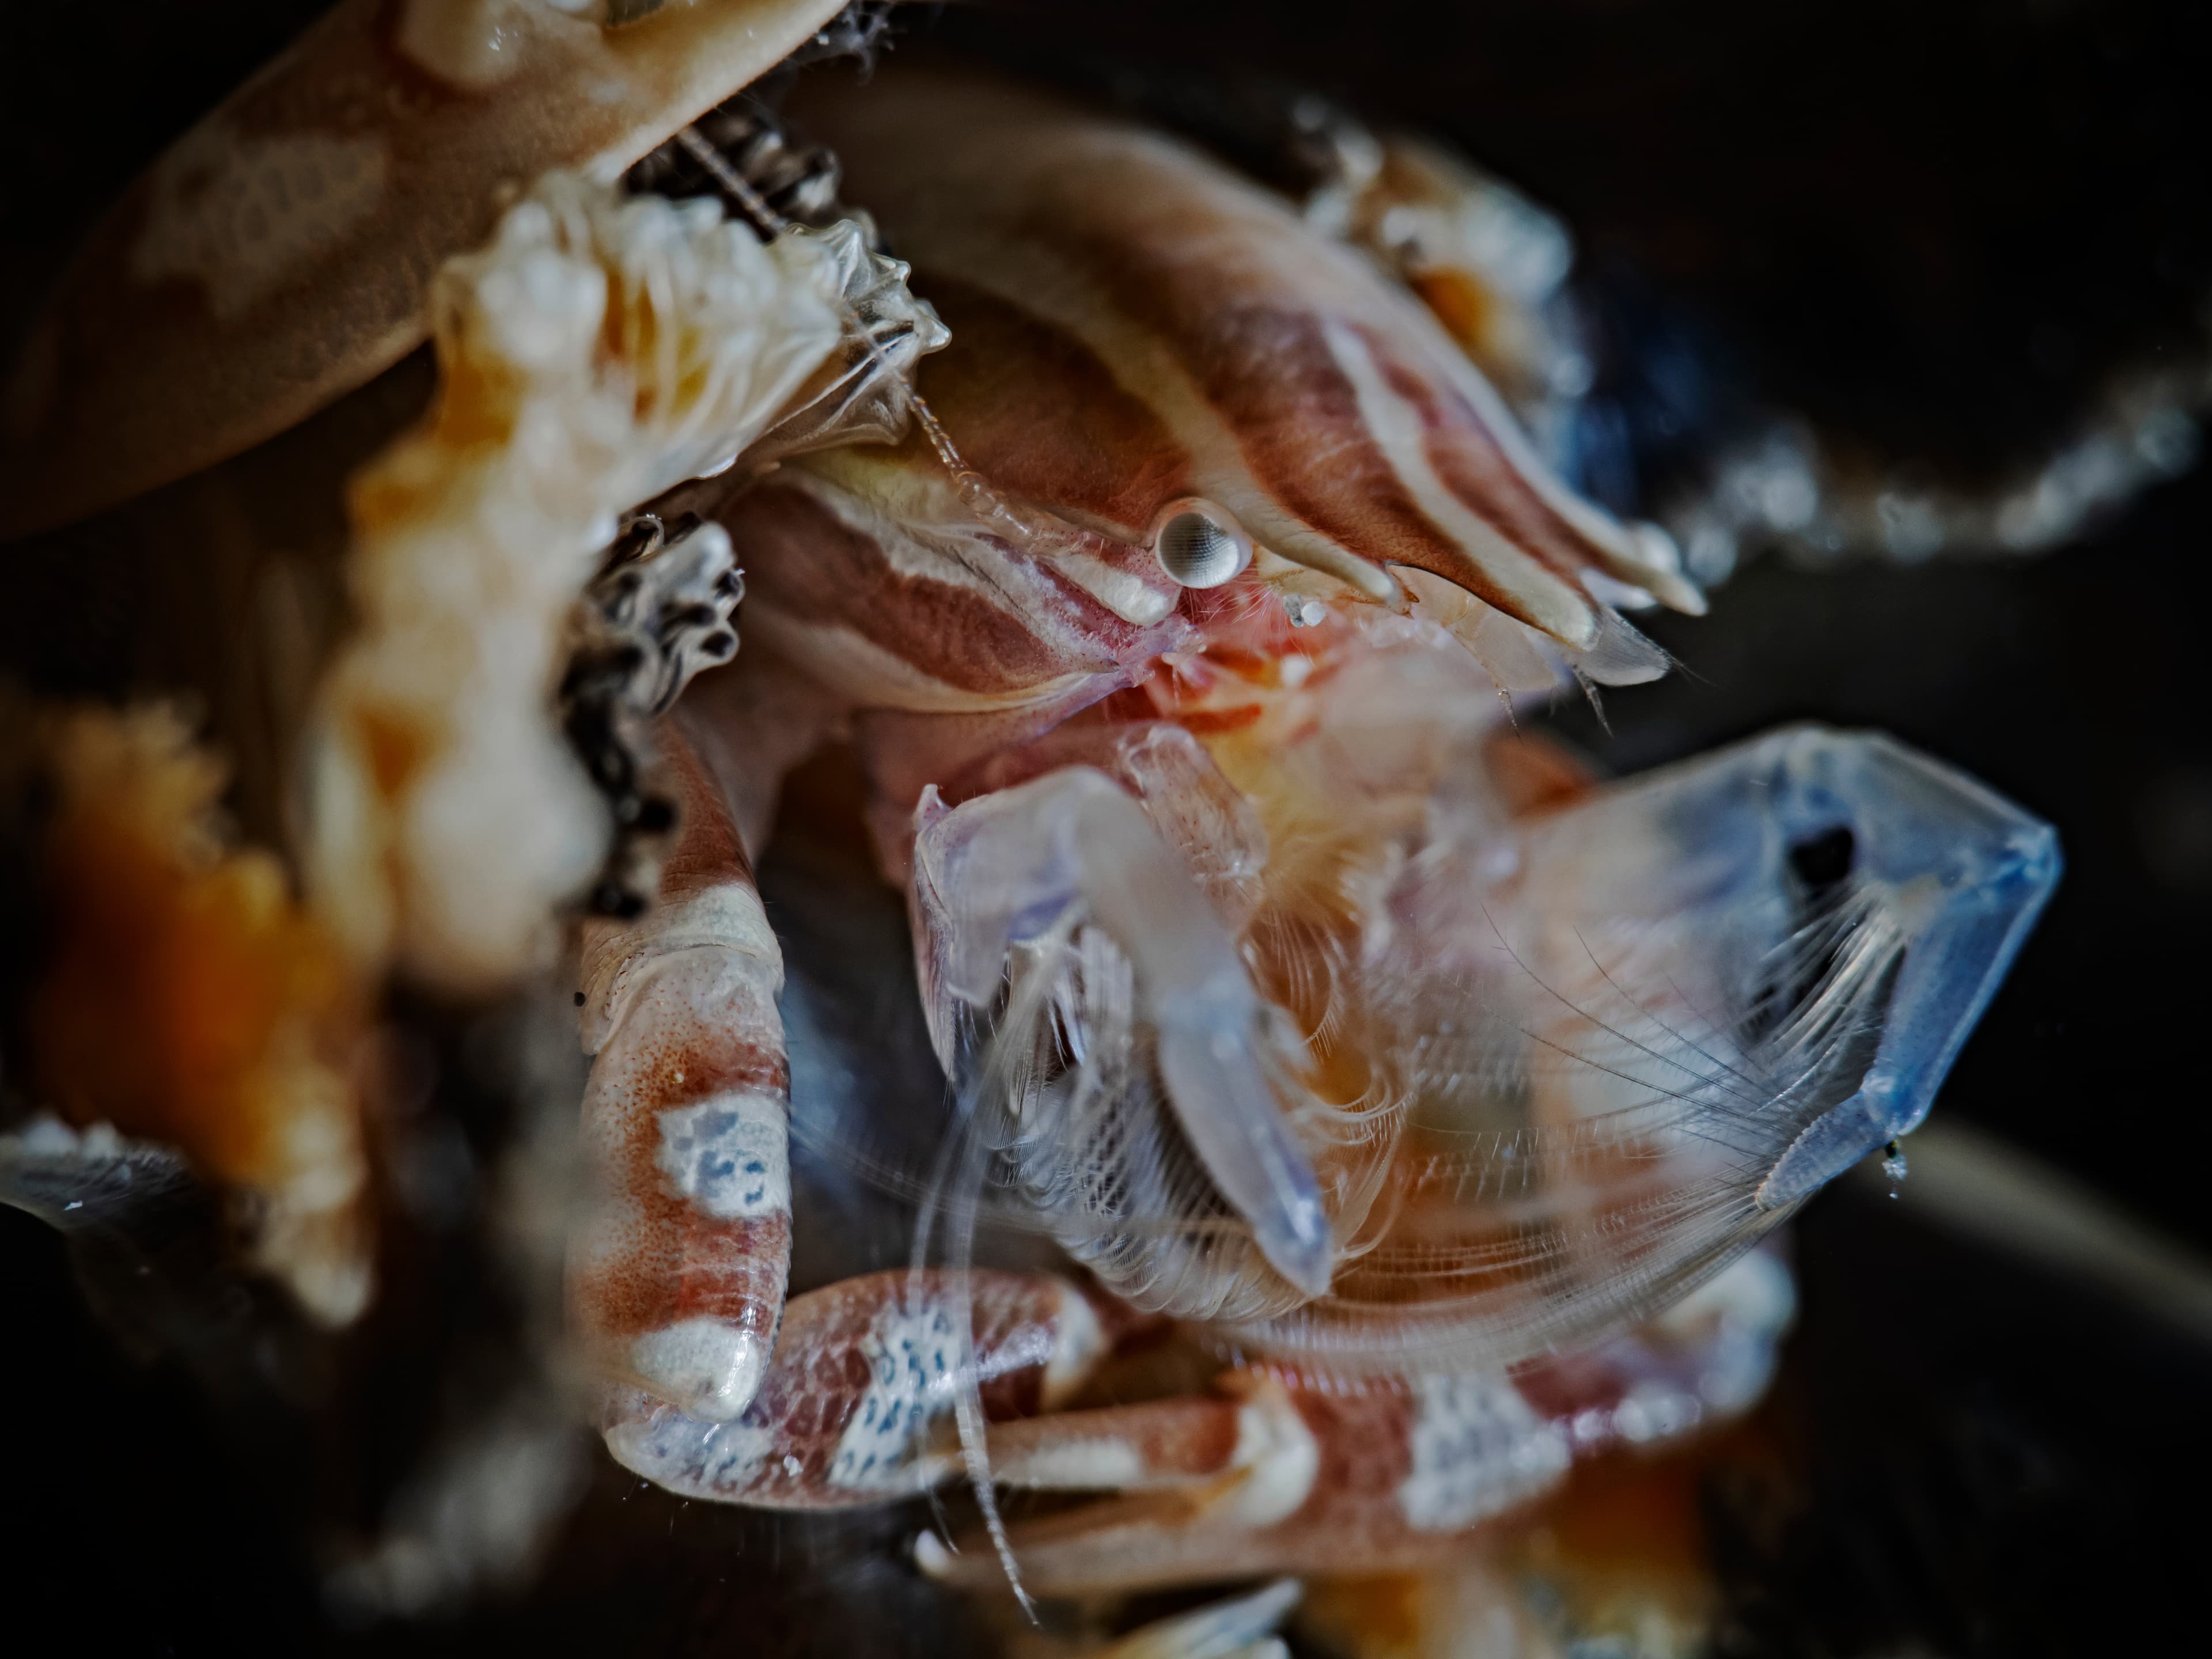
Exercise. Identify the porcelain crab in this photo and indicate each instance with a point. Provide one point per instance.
(1172, 571)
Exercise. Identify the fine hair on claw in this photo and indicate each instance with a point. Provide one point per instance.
(1652, 1061)
(954, 1192)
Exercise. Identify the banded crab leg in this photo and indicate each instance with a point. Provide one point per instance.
(1197, 338)
(856, 1406)
(1271, 1472)
(677, 1272)
(282, 251)
(1277, 1471)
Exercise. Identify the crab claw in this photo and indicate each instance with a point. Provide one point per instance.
(1181, 336)
(281, 252)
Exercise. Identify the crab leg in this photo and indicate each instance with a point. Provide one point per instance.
(856, 1406)
(1283, 1475)
(1199, 339)
(1282, 1472)
(677, 1276)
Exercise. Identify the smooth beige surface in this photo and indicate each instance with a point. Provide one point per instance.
(279, 254)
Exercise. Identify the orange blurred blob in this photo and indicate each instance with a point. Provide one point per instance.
(190, 999)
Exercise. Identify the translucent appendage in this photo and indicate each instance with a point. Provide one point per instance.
(1962, 872)
(1054, 914)
(1639, 1029)
(1855, 905)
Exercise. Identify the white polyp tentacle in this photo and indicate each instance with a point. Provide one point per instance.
(611, 349)
(975, 490)
(1006, 868)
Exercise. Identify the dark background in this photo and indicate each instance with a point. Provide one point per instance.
(1934, 228)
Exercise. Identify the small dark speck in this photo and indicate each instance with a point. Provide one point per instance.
(2173, 824)
(579, 999)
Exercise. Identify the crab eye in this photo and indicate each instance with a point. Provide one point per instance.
(1200, 545)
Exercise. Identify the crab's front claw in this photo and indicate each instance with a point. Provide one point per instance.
(1137, 329)
(1856, 904)
(1964, 872)
(1672, 1009)
(281, 252)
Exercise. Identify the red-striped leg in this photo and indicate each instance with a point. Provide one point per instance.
(856, 1406)
(677, 1276)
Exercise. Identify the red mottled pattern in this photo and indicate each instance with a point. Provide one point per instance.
(801, 561)
(1008, 622)
(647, 1257)
(1022, 632)
(847, 1353)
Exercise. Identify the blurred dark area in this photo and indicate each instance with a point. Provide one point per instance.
(1934, 227)
(1987, 1459)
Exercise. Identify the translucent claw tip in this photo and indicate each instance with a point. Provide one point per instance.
(1237, 1128)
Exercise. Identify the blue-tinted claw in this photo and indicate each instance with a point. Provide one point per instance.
(1677, 1007)
(1957, 873)
(1220, 1088)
